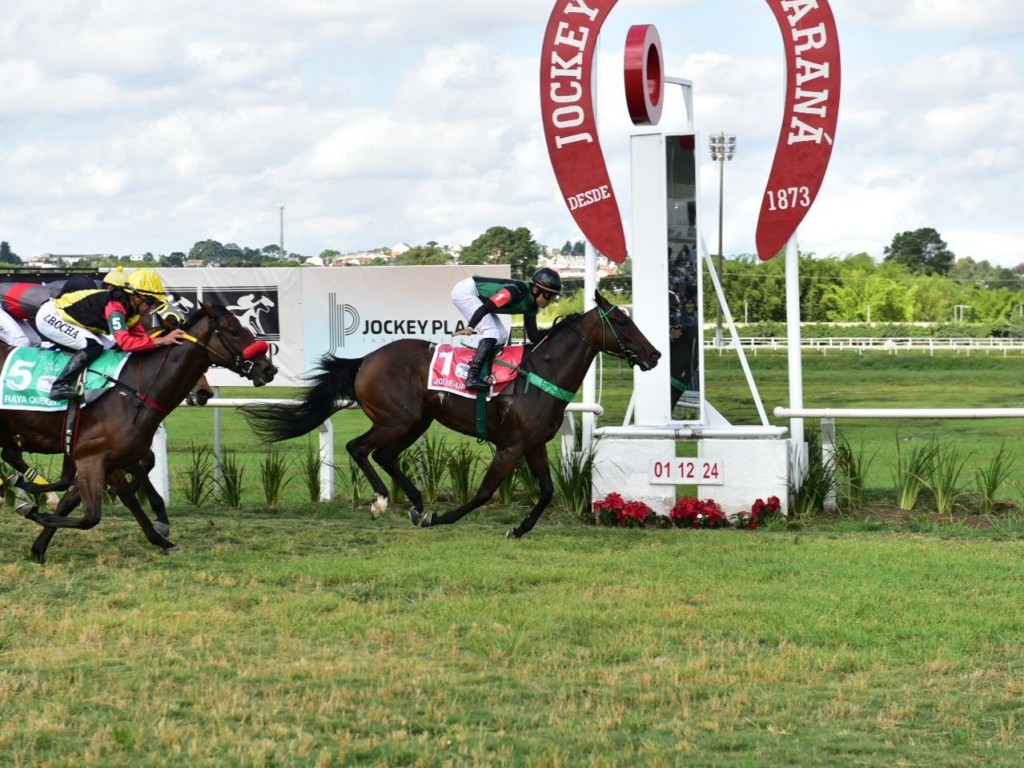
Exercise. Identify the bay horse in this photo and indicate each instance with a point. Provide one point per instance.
(139, 483)
(115, 431)
(390, 385)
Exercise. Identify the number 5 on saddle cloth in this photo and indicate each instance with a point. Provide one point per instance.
(29, 373)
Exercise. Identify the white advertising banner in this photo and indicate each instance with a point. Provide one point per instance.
(304, 313)
(350, 312)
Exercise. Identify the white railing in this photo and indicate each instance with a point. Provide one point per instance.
(882, 344)
(828, 418)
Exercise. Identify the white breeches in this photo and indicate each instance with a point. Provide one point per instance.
(11, 331)
(467, 301)
(51, 325)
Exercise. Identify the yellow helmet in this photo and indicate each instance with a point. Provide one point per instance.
(147, 283)
(115, 277)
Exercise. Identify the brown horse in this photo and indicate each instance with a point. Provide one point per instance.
(390, 384)
(115, 431)
(139, 483)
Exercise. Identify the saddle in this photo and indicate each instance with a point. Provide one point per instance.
(450, 363)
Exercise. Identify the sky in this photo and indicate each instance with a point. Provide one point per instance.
(131, 127)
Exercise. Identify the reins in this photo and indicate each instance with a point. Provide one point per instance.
(236, 362)
(532, 379)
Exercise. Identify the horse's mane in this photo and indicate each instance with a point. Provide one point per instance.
(563, 323)
(200, 312)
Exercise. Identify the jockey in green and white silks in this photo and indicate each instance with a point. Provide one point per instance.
(481, 299)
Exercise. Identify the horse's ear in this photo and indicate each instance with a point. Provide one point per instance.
(601, 300)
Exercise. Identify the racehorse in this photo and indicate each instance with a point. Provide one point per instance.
(116, 430)
(139, 483)
(390, 384)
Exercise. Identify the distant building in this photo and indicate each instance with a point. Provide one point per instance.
(51, 260)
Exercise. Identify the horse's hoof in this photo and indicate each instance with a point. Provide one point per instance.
(511, 534)
(175, 550)
(427, 521)
(415, 516)
(26, 509)
(163, 529)
(378, 507)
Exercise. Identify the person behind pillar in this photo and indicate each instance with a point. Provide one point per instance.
(481, 299)
(677, 349)
(91, 320)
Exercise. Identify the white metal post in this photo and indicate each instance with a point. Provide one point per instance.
(798, 453)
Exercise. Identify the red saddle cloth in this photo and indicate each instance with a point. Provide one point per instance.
(450, 365)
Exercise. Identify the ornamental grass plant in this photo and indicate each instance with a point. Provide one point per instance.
(310, 467)
(274, 475)
(198, 479)
(911, 470)
(944, 478)
(990, 478)
(230, 482)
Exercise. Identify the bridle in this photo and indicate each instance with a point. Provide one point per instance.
(623, 352)
(239, 361)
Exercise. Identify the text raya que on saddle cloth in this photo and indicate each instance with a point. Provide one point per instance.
(28, 374)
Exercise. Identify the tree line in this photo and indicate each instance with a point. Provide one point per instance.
(918, 280)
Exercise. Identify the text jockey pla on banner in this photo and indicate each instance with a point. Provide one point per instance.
(809, 119)
(570, 122)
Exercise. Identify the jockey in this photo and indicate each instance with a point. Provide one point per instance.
(479, 299)
(20, 304)
(81, 320)
(11, 331)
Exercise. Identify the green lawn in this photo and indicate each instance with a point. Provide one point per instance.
(309, 635)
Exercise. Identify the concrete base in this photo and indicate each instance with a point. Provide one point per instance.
(752, 469)
(621, 466)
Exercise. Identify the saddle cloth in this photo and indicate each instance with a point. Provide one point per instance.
(28, 374)
(450, 364)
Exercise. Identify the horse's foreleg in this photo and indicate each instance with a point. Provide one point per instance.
(537, 461)
(120, 483)
(141, 482)
(503, 463)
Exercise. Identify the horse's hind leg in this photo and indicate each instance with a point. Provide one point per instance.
(379, 440)
(537, 461)
(503, 463)
(67, 503)
(387, 457)
(90, 489)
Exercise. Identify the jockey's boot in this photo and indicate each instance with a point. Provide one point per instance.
(483, 351)
(64, 385)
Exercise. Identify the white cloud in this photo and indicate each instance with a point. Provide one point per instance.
(145, 127)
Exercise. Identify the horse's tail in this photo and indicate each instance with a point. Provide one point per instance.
(333, 380)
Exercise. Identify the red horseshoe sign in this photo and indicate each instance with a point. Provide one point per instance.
(809, 120)
(570, 126)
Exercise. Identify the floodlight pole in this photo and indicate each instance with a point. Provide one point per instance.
(723, 148)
